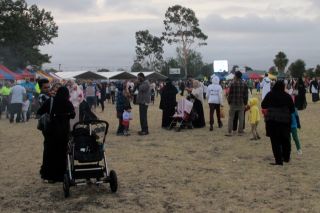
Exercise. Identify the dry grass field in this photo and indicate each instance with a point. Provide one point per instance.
(166, 171)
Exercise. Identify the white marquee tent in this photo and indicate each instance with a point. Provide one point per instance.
(152, 75)
(120, 75)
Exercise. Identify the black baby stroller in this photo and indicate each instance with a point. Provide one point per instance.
(86, 158)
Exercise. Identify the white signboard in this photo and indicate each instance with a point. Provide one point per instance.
(174, 71)
(220, 66)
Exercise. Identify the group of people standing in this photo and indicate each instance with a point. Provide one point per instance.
(71, 102)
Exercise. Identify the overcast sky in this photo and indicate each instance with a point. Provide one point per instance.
(101, 33)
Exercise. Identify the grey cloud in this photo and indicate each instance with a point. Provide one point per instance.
(109, 44)
(316, 3)
(133, 6)
(255, 42)
(255, 24)
(64, 5)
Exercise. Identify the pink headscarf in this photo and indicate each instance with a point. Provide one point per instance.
(76, 95)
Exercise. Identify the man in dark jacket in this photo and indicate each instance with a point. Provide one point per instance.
(143, 99)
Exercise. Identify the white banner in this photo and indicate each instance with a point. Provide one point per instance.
(174, 71)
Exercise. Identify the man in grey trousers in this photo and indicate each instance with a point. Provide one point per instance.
(237, 99)
(143, 99)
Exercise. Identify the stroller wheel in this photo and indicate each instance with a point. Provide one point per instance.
(66, 185)
(113, 181)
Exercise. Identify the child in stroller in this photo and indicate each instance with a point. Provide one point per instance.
(86, 157)
(183, 116)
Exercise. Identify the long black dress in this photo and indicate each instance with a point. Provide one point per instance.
(167, 103)
(300, 100)
(315, 85)
(199, 121)
(56, 139)
(280, 106)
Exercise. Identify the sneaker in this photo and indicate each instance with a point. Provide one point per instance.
(299, 152)
(211, 128)
(228, 135)
(220, 125)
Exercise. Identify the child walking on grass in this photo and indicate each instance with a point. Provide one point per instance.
(126, 117)
(25, 108)
(295, 124)
(254, 118)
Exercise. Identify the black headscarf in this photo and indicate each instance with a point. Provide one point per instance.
(62, 94)
(278, 86)
(61, 103)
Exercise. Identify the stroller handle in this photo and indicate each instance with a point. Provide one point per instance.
(91, 122)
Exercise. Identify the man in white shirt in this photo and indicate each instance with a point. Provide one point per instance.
(266, 86)
(215, 100)
(17, 95)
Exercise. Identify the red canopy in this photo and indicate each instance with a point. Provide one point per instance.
(25, 73)
(254, 76)
(14, 75)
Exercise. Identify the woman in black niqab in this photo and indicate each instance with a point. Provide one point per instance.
(56, 139)
(167, 103)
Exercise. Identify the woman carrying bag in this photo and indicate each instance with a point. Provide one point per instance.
(57, 135)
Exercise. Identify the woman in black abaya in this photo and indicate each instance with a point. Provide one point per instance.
(300, 99)
(56, 138)
(279, 107)
(168, 102)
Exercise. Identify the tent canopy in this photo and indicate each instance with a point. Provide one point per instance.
(245, 76)
(43, 74)
(122, 75)
(24, 73)
(90, 75)
(69, 75)
(254, 76)
(272, 77)
(151, 75)
(230, 76)
(53, 75)
(8, 74)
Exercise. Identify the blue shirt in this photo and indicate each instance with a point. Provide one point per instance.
(30, 89)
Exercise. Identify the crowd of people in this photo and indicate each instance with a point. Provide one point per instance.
(68, 102)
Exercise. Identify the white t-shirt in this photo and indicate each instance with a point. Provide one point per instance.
(17, 93)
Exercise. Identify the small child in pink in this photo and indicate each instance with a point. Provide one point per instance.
(126, 117)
